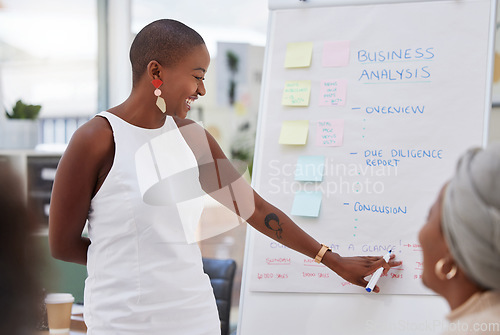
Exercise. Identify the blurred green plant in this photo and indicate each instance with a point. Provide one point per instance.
(232, 64)
(242, 147)
(24, 111)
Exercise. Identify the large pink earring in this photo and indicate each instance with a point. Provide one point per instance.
(160, 102)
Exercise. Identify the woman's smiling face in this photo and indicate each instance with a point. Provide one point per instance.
(183, 83)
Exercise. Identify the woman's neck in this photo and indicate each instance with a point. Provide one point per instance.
(141, 112)
(460, 290)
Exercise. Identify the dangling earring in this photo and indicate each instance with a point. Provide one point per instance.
(160, 102)
(438, 269)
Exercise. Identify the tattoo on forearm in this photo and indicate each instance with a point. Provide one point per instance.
(273, 222)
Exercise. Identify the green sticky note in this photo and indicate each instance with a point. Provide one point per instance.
(298, 54)
(294, 132)
(296, 93)
(307, 203)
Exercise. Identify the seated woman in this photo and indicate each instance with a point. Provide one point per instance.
(19, 290)
(461, 244)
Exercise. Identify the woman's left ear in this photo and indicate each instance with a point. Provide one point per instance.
(154, 70)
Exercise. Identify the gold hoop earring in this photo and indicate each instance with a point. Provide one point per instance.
(438, 270)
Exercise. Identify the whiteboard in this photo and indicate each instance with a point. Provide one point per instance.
(413, 95)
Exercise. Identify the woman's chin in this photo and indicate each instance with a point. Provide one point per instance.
(181, 113)
(427, 283)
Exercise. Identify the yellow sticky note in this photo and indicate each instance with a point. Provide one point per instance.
(296, 93)
(294, 132)
(298, 54)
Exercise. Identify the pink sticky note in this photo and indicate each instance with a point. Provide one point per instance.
(336, 53)
(332, 92)
(330, 133)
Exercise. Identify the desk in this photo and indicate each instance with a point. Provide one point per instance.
(72, 332)
(77, 326)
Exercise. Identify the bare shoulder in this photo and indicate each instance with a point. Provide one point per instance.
(94, 130)
(96, 133)
(93, 140)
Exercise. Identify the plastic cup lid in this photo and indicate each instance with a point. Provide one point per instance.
(59, 298)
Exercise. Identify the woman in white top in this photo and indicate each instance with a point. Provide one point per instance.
(136, 172)
(461, 244)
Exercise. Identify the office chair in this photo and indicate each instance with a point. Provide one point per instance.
(221, 273)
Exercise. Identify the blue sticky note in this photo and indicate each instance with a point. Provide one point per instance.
(310, 168)
(307, 203)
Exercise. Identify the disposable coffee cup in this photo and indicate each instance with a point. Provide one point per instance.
(59, 312)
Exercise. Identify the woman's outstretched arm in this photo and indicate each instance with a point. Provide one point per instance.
(220, 180)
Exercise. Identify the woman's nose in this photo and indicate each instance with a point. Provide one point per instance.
(201, 88)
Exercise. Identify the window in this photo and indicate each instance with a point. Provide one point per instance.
(48, 57)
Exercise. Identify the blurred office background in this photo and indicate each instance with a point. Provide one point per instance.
(70, 57)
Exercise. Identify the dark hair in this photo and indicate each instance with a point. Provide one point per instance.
(19, 290)
(165, 41)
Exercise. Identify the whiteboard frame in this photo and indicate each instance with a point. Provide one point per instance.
(298, 4)
(491, 60)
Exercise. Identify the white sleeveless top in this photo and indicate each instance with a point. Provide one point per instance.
(143, 275)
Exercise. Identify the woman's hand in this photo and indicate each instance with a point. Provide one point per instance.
(355, 269)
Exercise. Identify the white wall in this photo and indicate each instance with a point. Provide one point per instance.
(494, 129)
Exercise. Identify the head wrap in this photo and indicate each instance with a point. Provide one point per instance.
(471, 216)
